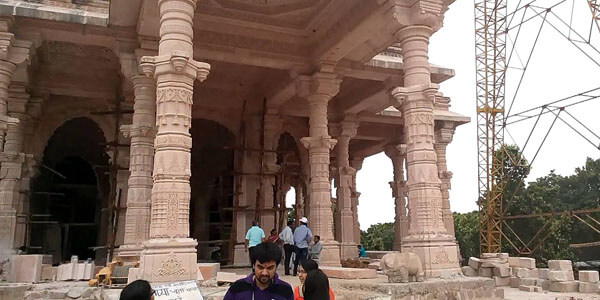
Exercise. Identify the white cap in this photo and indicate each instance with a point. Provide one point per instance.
(304, 220)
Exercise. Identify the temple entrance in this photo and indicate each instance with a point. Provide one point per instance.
(69, 193)
(212, 188)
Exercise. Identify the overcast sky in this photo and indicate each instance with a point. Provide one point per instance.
(557, 69)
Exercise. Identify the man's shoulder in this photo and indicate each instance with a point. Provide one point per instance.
(240, 286)
(282, 288)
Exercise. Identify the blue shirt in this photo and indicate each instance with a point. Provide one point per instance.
(246, 289)
(362, 252)
(302, 236)
(254, 236)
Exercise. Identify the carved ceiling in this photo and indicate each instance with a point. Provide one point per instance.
(296, 14)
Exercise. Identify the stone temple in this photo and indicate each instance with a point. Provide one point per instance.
(157, 130)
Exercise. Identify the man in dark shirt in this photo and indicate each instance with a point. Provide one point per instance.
(263, 283)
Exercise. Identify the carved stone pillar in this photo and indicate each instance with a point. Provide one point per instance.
(322, 88)
(141, 161)
(299, 205)
(397, 153)
(12, 166)
(344, 181)
(443, 136)
(427, 237)
(356, 163)
(170, 254)
(273, 125)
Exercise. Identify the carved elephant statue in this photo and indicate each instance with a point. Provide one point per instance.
(402, 267)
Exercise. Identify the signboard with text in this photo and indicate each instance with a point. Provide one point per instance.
(184, 290)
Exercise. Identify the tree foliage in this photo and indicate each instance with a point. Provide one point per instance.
(379, 237)
(551, 193)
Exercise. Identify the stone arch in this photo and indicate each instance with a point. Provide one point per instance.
(212, 161)
(70, 191)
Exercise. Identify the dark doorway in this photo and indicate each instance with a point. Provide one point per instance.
(212, 188)
(69, 193)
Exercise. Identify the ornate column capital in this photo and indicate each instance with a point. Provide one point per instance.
(324, 143)
(403, 95)
(428, 13)
(177, 62)
(444, 132)
(323, 87)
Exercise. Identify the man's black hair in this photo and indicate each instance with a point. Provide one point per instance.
(137, 290)
(318, 236)
(309, 265)
(290, 223)
(265, 252)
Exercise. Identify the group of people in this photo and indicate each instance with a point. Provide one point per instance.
(265, 256)
(296, 242)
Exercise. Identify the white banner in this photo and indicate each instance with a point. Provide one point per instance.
(185, 290)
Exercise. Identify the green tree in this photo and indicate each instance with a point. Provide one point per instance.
(379, 237)
(466, 227)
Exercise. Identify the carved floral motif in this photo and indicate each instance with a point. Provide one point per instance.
(171, 267)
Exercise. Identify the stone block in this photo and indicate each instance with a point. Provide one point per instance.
(349, 273)
(588, 287)
(515, 282)
(560, 265)
(564, 286)
(502, 271)
(469, 272)
(588, 276)
(534, 273)
(499, 293)
(528, 281)
(225, 277)
(527, 288)
(560, 276)
(502, 281)
(133, 275)
(543, 273)
(492, 264)
(374, 265)
(489, 255)
(485, 272)
(521, 262)
(209, 270)
(544, 284)
(48, 273)
(521, 272)
(474, 263)
(25, 268)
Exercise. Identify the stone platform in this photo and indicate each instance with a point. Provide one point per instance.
(455, 288)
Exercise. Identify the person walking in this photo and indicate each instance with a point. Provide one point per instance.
(263, 283)
(254, 236)
(302, 236)
(287, 237)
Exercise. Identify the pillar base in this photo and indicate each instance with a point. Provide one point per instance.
(241, 258)
(348, 250)
(438, 253)
(169, 260)
(330, 255)
(129, 253)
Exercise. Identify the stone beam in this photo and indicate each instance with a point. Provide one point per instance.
(287, 90)
(354, 28)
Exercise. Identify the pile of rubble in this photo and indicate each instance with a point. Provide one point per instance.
(521, 273)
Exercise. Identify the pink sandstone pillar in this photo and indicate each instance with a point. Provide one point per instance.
(170, 254)
(273, 125)
(427, 237)
(299, 205)
(344, 184)
(356, 163)
(397, 153)
(443, 136)
(12, 165)
(323, 87)
(142, 133)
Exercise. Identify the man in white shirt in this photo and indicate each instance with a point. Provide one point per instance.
(287, 237)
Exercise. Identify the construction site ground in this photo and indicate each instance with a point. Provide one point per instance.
(343, 288)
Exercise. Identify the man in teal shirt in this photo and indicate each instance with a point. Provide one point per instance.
(254, 236)
(361, 251)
